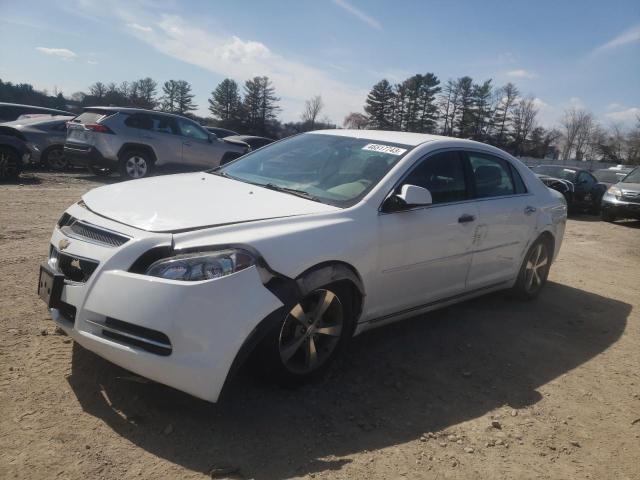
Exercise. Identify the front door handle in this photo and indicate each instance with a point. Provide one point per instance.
(529, 210)
(465, 218)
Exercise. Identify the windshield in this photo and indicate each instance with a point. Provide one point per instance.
(608, 176)
(557, 172)
(633, 177)
(327, 168)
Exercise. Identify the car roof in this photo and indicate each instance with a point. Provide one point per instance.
(132, 110)
(36, 107)
(405, 138)
(38, 120)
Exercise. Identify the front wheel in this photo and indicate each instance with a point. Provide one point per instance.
(534, 271)
(309, 338)
(607, 216)
(9, 164)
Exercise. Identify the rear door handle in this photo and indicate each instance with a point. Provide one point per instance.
(465, 218)
(529, 210)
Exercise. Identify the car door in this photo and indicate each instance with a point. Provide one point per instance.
(585, 189)
(507, 216)
(425, 252)
(198, 149)
(159, 132)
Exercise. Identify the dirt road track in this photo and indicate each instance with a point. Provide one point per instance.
(560, 377)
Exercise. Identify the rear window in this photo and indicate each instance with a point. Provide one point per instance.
(89, 117)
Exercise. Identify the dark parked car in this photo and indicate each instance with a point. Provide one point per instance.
(579, 187)
(13, 111)
(14, 153)
(44, 136)
(220, 132)
(251, 140)
(622, 200)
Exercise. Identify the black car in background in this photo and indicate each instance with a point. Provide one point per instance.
(253, 141)
(13, 111)
(220, 132)
(579, 187)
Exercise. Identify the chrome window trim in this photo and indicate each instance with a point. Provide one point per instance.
(446, 204)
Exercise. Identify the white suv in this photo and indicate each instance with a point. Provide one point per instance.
(136, 141)
(291, 250)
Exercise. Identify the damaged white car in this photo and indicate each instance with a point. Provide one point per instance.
(289, 251)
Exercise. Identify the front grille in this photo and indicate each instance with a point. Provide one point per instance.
(76, 269)
(631, 196)
(127, 333)
(91, 233)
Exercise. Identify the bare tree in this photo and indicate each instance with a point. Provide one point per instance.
(573, 123)
(508, 94)
(312, 110)
(524, 117)
(356, 120)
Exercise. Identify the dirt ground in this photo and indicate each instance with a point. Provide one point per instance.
(491, 388)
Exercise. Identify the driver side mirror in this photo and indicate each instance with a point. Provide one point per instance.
(410, 196)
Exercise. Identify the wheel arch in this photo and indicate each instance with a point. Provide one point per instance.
(137, 146)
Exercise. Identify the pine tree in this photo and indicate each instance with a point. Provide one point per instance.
(379, 106)
(225, 103)
(259, 104)
(184, 98)
(465, 107)
(170, 96)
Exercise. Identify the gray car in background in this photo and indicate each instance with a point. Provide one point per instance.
(136, 141)
(44, 136)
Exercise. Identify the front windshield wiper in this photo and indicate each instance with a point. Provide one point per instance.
(291, 191)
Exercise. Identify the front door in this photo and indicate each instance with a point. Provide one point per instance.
(198, 149)
(425, 252)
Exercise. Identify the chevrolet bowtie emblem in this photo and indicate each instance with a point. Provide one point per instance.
(64, 243)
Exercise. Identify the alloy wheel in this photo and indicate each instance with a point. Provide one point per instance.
(536, 268)
(56, 160)
(311, 332)
(136, 166)
(7, 167)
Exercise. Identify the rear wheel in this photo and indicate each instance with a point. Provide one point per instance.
(54, 159)
(534, 271)
(9, 164)
(310, 336)
(135, 164)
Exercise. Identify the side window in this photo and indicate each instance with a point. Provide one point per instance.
(191, 130)
(491, 175)
(517, 180)
(443, 175)
(586, 179)
(138, 120)
(163, 124)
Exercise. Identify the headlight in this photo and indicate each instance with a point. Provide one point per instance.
(193, 267)
(615, 191)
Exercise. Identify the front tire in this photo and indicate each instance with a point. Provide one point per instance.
(135, 164)
(534, 270)
(607, 216)
(310, 336)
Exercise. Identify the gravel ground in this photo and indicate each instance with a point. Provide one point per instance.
(491, 388)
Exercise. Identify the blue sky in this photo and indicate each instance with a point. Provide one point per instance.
(566, 53)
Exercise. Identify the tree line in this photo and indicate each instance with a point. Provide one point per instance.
(461, 107)
(500, 116)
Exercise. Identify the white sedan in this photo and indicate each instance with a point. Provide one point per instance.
(289, 251)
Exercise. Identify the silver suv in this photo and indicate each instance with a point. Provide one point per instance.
(136, 141)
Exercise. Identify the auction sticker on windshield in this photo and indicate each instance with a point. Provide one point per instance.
(374, 147)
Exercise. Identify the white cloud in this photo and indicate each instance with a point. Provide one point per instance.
(241, 59)
(624, 116)
(615, 106)
(92, 62)
(521, 73)
(628, 36)
(62, 53)
(140, 28)
(359, 14)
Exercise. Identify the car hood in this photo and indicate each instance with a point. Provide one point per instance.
(178, 203)
(629, 187)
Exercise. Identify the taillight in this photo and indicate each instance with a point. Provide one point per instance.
(98, 127)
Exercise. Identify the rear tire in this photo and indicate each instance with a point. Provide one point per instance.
(310, 336)
(534, 270)
(9, 164)
(135, 164)
(54, 159)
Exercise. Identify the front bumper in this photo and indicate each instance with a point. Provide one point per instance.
(205, 322)
(620, 208)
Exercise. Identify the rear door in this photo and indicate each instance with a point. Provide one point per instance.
(160, 132)
(507, 217)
